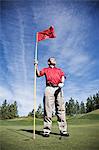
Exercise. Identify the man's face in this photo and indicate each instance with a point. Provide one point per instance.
(52, 61)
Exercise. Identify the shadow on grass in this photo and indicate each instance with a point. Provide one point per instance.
(38, 132)
(16, 131)
(29, 131)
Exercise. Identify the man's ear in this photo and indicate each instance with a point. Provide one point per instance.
(48, 63)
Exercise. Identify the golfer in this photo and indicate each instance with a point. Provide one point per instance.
(53, 96)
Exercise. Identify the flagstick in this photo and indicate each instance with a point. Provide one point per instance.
(35, 88)
(34, 100)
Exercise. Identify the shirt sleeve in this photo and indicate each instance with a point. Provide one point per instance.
(42, 72)
(63, 74)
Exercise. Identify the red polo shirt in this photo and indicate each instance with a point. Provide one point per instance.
(53, 75)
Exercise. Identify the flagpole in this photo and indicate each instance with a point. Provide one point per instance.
(35, 60)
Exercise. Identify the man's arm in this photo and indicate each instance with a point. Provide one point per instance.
(63, 79)
(61, 84)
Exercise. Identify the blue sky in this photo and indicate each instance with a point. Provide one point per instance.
(76, 48)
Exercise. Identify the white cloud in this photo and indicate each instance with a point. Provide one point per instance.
(4, 93)
(81, 91)
(23, 96)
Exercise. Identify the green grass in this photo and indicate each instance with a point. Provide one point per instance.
(17, 134)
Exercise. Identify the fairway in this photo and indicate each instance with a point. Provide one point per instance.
(17, 134)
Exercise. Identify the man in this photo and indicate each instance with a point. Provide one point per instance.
(53, 96)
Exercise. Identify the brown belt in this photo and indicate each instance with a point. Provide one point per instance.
(51, 85)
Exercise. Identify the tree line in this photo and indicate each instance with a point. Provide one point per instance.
(92, 102)
(8, 111)
(73, 107)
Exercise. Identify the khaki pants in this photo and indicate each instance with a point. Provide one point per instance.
(54, 97)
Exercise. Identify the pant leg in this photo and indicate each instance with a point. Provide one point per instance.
(49, 101)
(60, 111)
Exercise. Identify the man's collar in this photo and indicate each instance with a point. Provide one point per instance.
(51, 66)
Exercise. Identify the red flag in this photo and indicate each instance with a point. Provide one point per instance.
(46, 34)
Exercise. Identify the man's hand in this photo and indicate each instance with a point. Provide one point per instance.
(35, 62)
(36, 65)
(60, 85)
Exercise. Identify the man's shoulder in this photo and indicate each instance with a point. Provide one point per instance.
(48, 68)
(44, 69)
(58, 69)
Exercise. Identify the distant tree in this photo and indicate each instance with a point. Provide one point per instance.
(9, 111)
(4, 110)
(89, 104)
(13, 112)
(77, 107)
(82, 107)
(0, 112)
(31, 114)
(96, 100)
(15, 109)
(71, 107)
(67, 108)
(39, 111)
